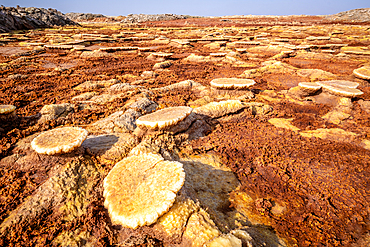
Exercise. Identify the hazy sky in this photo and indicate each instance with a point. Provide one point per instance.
(196, 7)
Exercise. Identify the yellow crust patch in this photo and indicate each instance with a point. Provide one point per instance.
(283, 123)
(200, 229)
(61, 140)
(140, 189)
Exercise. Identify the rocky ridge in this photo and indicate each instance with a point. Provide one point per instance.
(353, 15)
(20, 18)
(83, 16)
(137, 18)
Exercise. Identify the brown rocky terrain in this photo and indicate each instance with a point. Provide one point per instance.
(282, 161)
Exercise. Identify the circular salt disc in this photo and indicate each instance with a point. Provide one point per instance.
(338, 83)
(218, 54)
(162, 54)
(141, 188)
(231, 83)
(61, 140)
(343, 91)
(363, 72)
(5, 109)
(164, 118)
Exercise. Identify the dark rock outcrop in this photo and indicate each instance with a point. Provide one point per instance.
(19, 18)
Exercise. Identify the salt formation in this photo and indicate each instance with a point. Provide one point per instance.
(363, 72)
(6, 109)
(61, 140)
(232, 83)
(164, 118)
(139, 189)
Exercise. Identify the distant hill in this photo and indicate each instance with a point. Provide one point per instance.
(137, 18)
(354, 15)
(83, 16)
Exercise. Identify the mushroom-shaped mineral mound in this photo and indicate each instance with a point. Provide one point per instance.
(164, 118)
(61, 140)
(309, 87)
(6, 109)
(162, 54)
(218, 109)
(363, 72)
(140, 189)
(341, 88)
(232, 83)
(338, 83)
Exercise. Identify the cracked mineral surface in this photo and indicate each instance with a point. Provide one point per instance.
(282, 160)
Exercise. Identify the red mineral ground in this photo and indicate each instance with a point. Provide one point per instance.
(279, 164)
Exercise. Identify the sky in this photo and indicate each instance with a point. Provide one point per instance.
(196, 7)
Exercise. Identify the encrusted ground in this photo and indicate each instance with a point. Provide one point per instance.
(271, 165)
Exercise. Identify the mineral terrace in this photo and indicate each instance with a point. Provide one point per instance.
(232, 131)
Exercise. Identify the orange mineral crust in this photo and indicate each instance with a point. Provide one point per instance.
(233, 131)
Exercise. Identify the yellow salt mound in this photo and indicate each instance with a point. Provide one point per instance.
(161, 54)
(232, 83)
(336, 117)
(196, 58)
(61, 140)
(220, 54)
(164, 118)
(363, 72)
(316, 74)
(162, 65)
(355, 50)
(309, 86)
(5, 109)
(219, 109)
(140, 189)
(227, 240)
